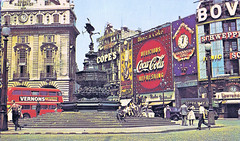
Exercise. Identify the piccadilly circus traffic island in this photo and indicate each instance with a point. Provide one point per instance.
(192, 60)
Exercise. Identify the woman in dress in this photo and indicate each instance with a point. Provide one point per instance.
(168, 112)
(191, 116)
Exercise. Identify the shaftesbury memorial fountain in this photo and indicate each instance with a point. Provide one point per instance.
(92, 95)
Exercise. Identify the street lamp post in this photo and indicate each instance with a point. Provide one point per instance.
(3, 107)
(211, 120)
(163, 84)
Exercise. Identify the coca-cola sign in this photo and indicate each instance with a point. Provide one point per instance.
(151, 64)
(155, 64)
(152, 61)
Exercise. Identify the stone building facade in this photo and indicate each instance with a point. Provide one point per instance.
(42, 44)
(109, 54)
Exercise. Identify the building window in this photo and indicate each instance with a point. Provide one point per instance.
(206, 29)
(56, 18)
(230, 45)
(23, 71)
(49, 70)
(7, 19)
(39, 19)
(23, 39)
(49, 53)
(229, 25)
(49, 38)
(231, 66)
(22, 57)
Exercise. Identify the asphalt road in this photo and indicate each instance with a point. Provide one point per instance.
(229, 132)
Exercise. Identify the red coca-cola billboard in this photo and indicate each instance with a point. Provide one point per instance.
(152, 61)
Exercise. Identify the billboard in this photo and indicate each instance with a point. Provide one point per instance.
(152, 60)
(126, 83)
(184, 46)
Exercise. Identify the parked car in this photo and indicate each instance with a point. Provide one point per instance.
(174, 114)
(196, 112)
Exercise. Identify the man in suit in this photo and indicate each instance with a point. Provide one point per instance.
(38, 108)
(184, 112)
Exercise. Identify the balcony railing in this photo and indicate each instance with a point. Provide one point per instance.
(49, 61)
(22, 76)
(51, 76)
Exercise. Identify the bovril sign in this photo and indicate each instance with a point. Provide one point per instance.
(107, 57)
(215, 11)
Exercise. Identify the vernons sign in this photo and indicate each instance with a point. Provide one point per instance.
(152, 59)
(216, 11)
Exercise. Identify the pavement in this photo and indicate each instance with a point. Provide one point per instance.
(135, 130)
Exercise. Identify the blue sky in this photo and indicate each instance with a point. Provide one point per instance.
(135, 14)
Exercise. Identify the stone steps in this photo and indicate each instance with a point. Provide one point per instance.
(89, 119)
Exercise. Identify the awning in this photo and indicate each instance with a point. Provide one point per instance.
(124, 102)
(231, 102)
(159, 103)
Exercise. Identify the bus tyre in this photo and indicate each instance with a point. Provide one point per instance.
(26, 116)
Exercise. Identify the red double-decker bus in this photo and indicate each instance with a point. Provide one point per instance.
(49, 99)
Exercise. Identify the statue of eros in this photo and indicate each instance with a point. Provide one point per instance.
(89, 28)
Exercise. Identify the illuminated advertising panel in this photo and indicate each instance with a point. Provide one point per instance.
(126, 69)
(152, 60)
(184, 46)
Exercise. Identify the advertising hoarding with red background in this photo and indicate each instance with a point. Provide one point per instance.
(152, 60)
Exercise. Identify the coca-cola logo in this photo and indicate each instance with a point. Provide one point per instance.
(151, 64)
(155, 64)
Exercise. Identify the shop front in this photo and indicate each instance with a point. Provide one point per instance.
(229, 104)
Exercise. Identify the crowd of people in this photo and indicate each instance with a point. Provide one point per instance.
(187, 113)
(133, 109)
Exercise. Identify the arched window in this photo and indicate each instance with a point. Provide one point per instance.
(7, 19)
(56, 18)
(49, 51)
(22, 51)
(39, 19)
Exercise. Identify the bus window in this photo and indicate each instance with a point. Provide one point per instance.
(26, 107)
(43, 93)
(52, 93)
(34, 107)
(35, 92)
(16, 92)
(26, 93)
(59, 93)
(44, 107)
(52, 106)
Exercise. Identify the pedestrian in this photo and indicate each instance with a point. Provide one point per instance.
(202, 116)
(120, 114)
(38, 108)
(167, 112)
(184, 111)
(16, 114)
(191, 116)
(139, 101)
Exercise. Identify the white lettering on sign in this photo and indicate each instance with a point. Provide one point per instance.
(107, 57)
(234, 55)
(220, 36)
(216, 11)
(28, 98)
(155, 64)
